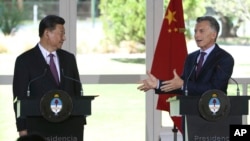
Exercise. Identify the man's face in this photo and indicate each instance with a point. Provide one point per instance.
(56, 37)
(204, 35)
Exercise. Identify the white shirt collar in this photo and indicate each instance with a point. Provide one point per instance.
(209, 50)
(45, 52)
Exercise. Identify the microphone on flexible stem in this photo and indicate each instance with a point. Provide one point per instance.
(78, 81)
(186, 89)
(36, 78)
(238, 90)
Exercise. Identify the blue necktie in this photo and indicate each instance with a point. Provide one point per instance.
(53, 68)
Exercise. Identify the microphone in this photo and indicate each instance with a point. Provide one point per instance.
(186, 89)
(36, 78)
(237, 90)
(78, 81)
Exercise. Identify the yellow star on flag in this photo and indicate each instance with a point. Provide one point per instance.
(170, 16)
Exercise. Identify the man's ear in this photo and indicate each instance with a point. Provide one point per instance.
(215, 35)
(46, 33)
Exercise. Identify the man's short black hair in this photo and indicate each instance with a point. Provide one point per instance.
(49, 22)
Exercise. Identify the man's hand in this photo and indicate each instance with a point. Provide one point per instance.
(149, 83)
(172, 84)
(23, 133)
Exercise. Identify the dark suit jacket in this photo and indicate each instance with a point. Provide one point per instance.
(214, 74)
(30, 65)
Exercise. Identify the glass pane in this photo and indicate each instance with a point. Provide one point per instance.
(7, 120)
(95, 50)
(116, 105)
(118, 113)
(22, 35)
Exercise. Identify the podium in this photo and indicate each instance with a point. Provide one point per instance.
(65, 124)
(216, 124)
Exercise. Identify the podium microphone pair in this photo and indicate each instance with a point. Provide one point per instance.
(237, 90)
(186, 88)
(36, 78)
(75, 80)
(44, 73)
(218, 66)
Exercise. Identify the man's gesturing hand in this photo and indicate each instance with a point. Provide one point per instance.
(149, 83)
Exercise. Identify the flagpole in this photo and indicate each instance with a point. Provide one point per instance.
(175, 130)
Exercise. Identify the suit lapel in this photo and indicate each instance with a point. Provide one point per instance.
(61, 66)
(211, 59)
(40, 60)
(38, 57)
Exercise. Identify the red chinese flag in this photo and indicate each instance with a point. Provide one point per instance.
(171, 51)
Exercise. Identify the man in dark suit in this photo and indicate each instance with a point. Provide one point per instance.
(32, 69)
(216, 70)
